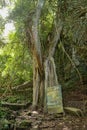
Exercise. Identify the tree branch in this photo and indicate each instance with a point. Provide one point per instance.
(58, 29)
(35, 27)
(35, 35)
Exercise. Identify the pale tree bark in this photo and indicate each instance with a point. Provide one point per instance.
(44, 72)
(58, 29)
(38, 74)
(51, 79)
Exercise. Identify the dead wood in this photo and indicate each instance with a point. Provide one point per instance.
(16, 106)
(74, 111)
(25, 85)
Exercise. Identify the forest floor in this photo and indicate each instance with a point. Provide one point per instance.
(26, 119)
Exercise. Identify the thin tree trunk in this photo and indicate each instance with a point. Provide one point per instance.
(38, 85)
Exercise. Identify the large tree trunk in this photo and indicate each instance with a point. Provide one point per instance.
(51, 80)
(44, 71)
(50, 77)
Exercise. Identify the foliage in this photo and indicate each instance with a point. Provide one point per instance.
(15, 65)
(74, 36)
(4, 114)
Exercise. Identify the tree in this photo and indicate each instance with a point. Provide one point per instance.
(16, 63)
(44, 73)
(43, 24)
(42, 42)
